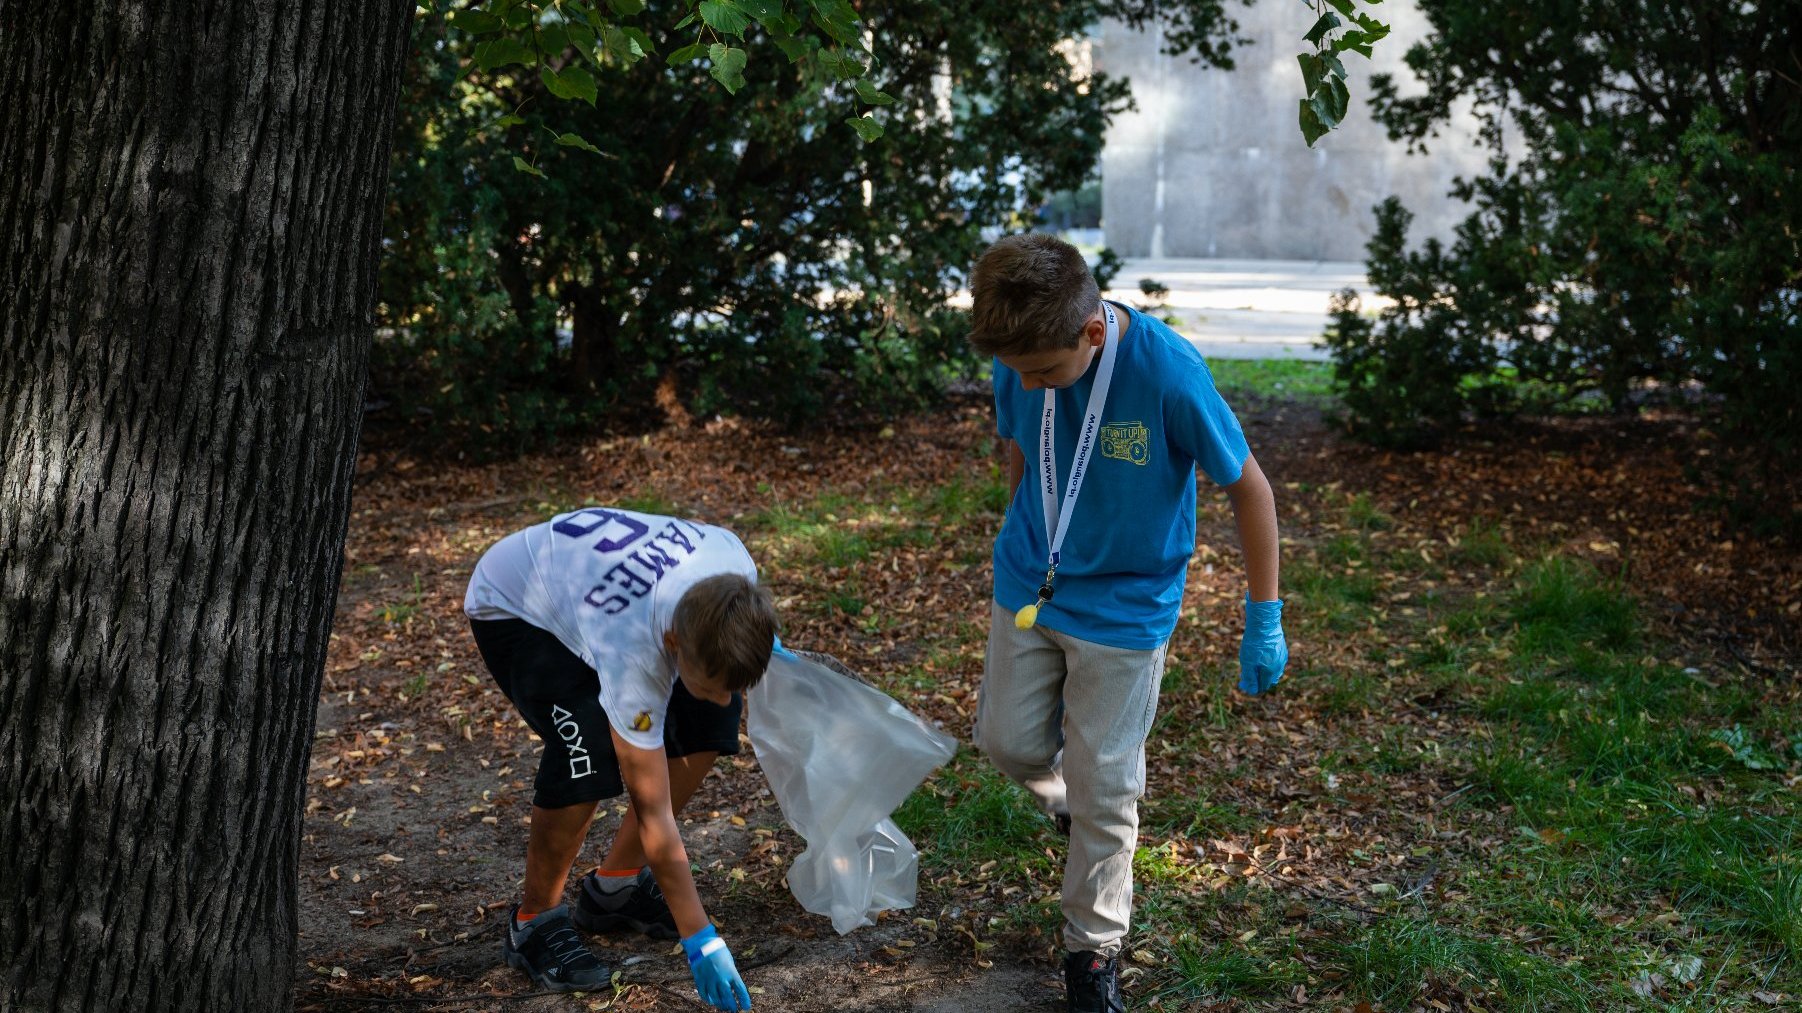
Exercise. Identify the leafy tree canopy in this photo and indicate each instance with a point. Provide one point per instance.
(1641, 222)
(707, 223)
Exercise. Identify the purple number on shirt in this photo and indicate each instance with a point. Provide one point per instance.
(574, 528)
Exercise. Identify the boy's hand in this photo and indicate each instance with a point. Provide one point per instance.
(1264, 652)
(716, 975)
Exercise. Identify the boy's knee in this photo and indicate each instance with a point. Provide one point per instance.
(1012, 752)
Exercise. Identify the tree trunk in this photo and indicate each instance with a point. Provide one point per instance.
(189, 215)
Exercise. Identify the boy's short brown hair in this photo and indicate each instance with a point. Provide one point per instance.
(1032, 293)
(728, 625)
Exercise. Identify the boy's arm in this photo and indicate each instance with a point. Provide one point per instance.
(646, 773)
(1254, 511)
(1264, 650)
(1015, 463)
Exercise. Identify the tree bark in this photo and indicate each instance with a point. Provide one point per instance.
(190, 197)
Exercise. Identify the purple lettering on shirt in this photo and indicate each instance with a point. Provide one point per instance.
(674, 534)
(574, 528)
(658, 562)
(612, 605)
(631, 582)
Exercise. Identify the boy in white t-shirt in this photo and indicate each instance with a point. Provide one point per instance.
(625, 640)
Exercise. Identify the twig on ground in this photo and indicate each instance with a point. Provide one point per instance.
(471, 937)
(660, 984)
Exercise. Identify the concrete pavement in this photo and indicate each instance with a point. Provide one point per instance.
(1245, 309)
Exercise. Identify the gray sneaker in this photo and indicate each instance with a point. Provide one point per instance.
(637, 908)
(548, 949)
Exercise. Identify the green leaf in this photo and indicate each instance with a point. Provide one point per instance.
(685, 22)
(1345, 7)
(1327, 23)
(842, 64)
(1333, 65)
(1311, 128)
(728, 66)
(866, 127)
(582, 36)
(626, 8)
(724, 17)
(639, 38)
(517, 17)
(1374, 30)
(871, 94)
(687, 54)
(793, 48)
(837, 19)
(1322, 105)
(502, 52)
(1352, 41)
(1339, 98)
(526, 167)
(767, 12)
(570, 82)
(509, 120)
(622, 45)
(476, 22)
(1313, 68)
(553, 39)
(576, 141)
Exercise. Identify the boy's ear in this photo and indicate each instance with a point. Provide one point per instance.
(1095, 330)
(669, 640)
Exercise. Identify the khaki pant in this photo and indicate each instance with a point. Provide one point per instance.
(1067, 719)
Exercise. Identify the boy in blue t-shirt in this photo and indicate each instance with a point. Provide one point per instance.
(1090, 561)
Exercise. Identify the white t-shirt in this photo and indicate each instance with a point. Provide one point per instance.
(606, 582)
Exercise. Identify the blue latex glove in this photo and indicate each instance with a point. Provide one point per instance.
(716, 976)
(1264, 652)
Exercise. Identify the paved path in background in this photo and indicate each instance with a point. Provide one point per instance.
(1246, 309)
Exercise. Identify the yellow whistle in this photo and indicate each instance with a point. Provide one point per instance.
(1024, 618)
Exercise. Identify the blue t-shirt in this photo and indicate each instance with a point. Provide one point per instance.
(1120, 578)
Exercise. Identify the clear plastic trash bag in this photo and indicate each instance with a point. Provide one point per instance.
(840, 756)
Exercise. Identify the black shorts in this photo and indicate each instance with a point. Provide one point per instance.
(559, 696)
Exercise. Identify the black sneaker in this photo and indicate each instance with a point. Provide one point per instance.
(639, 908)
(548, 949)
(1092, 983)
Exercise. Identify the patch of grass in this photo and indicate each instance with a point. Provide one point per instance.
(1342, 692)
(405, 608)
(1191, 816)
(970, 814)
(1397, 959)
(1336, 598)
(1469, 618)
(1562, 604)
(1629, 793)
(836, 546)
(652, 503)
(845, 600)
(1395, 751)
(960, 501)
(1214, 970)
(1481, 544)
(1288, 379)
(1362, 514)
(1161, 866)
(1344, 550)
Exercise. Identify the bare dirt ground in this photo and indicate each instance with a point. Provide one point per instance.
(420, 780)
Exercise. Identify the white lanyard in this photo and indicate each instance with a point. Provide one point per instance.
(1057, 522)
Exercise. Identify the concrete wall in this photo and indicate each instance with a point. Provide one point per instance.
(1237, 178)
